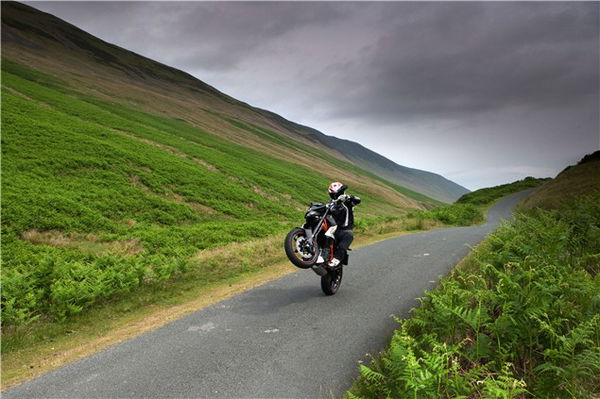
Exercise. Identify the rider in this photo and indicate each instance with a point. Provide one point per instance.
(342, 223)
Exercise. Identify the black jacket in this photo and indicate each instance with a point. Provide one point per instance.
(343, 213)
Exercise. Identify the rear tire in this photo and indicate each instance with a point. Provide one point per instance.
(291, 244)
(332, 281)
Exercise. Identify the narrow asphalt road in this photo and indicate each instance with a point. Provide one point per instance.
(282, 339)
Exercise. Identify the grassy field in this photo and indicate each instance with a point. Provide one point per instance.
(99, 199)
(520, 317)
(109, 210)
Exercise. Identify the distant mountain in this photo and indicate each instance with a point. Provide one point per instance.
(430, 184)
(31, 35)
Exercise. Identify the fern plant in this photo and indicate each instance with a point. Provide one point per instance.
(526, 323)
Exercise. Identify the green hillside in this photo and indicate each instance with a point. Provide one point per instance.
(487, 195)
(98, 198)
(47, 44)
(573, 182)
(118, 172)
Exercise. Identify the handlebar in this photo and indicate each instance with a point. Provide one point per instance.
(334, 201)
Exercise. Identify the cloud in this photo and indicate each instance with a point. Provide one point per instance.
(464, 58)
(209, 35)
(385, 61)
(442, 86)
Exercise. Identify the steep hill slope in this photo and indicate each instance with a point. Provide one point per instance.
(485, 196)
(430, 184)
(118, 171)
(575, 181)
(107, 71)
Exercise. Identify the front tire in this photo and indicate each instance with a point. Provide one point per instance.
(294, 249)
(331, 281)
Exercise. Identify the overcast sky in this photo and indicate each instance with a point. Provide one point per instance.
(482, 93)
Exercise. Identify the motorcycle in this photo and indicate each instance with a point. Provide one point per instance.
(303, 246)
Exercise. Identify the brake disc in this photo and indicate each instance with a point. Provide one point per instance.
(301, 250)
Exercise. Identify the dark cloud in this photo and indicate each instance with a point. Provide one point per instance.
(465, 58)
(479, 91)
(209, 35)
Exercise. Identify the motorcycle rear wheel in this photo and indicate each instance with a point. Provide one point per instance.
(292, 243)
(332, 281)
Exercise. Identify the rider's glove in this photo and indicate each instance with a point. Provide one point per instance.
(343, 198)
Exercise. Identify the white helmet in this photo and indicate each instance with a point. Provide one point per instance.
(336, 189)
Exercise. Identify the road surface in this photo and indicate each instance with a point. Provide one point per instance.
(284, 339)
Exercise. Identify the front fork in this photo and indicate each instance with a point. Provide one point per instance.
(312, 236)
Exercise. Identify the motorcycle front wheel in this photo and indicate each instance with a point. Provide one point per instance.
(331, 281)
(298, 250)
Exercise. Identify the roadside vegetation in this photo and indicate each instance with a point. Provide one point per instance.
(470, 208)
(454, 215)
(520, 317)
(216, 273)
(488, 195)
(571, 183)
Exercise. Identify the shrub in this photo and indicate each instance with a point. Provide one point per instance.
(456, 214)
(487, 195)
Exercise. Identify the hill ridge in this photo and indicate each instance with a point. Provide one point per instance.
(143, 68)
